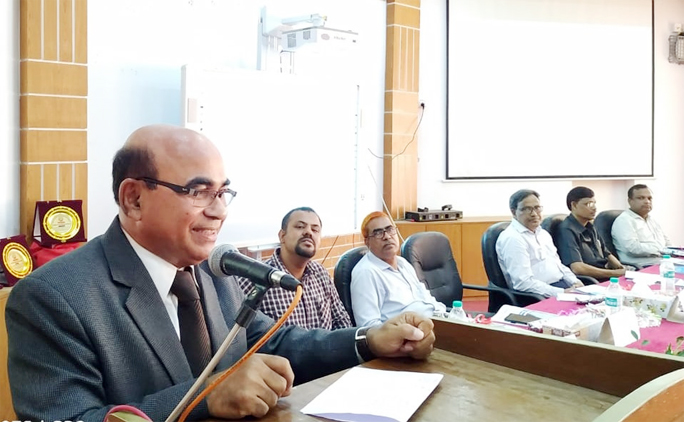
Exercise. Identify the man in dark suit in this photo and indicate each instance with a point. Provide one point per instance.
(100, 326)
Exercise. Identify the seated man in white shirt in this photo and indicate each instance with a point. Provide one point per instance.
(384, 284)
(637, 237)
(526, 252)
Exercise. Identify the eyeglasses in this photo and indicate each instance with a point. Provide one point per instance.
(528, 210)
(200, 197)
(380, 233)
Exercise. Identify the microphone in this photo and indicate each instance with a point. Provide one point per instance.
(227, 260)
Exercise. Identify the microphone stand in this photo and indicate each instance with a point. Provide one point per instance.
(244, 318)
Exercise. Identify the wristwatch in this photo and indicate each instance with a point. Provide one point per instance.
(362, 347)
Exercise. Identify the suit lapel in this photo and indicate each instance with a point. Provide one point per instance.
(144, 303)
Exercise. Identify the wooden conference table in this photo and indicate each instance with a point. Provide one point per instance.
(495, 374)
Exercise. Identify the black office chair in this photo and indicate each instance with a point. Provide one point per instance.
(342, 276)
(604, 225)
(550, 224)
(431, 256)
(502, 294)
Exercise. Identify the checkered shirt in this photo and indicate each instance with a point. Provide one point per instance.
(320, 306)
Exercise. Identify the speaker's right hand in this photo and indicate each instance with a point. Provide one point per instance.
(253, 389)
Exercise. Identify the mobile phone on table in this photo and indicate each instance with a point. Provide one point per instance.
(521, 319)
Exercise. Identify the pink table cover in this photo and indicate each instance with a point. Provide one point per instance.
(658, 337)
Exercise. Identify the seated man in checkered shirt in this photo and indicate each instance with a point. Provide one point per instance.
(320, 306)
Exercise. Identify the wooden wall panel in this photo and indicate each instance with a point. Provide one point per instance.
(399, 13)
(81, 181)
(416, 58)
(392, 62)
(401, 102)
(39, 77)
(31, 30)
(81, 188)
(31, 191)
(65, 174)
(53, 145)
(65, 31)
(412, 3)
(80, 31)
(50, 31)
(50, 182)
(402, 57)
(53, 103)
(53, 112)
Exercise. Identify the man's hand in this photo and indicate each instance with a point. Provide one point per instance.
(575, 285)
(408, 334)
(253, 389)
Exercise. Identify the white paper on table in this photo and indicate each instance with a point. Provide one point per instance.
(649, 279)
(570, 297)
(593, 289)
(637, 277)
(364, 395)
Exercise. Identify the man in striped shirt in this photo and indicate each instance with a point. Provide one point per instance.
(320, 306)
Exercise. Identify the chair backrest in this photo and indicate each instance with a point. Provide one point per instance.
(492, 267)
(604, 224)
(550, 224)
(489, 256)
(431, 256)
(342, 276)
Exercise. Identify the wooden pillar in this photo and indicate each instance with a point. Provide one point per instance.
(402, 106)
(53, 104)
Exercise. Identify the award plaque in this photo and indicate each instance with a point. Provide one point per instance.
(16, 259)
(57, 222)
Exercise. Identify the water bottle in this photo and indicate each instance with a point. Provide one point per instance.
(613, 296)
(457, 313)
(667, 276)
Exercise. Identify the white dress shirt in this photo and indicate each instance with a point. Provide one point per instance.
(379, 292)
(162, 274)
(530, 262)
(638, 240)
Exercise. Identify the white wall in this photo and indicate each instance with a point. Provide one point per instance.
(136, 49)
(9, 118)
(491, 198)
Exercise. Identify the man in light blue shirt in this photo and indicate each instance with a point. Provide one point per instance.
(384, 284)
(527, 255)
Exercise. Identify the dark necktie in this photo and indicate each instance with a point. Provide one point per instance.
(194, 334)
